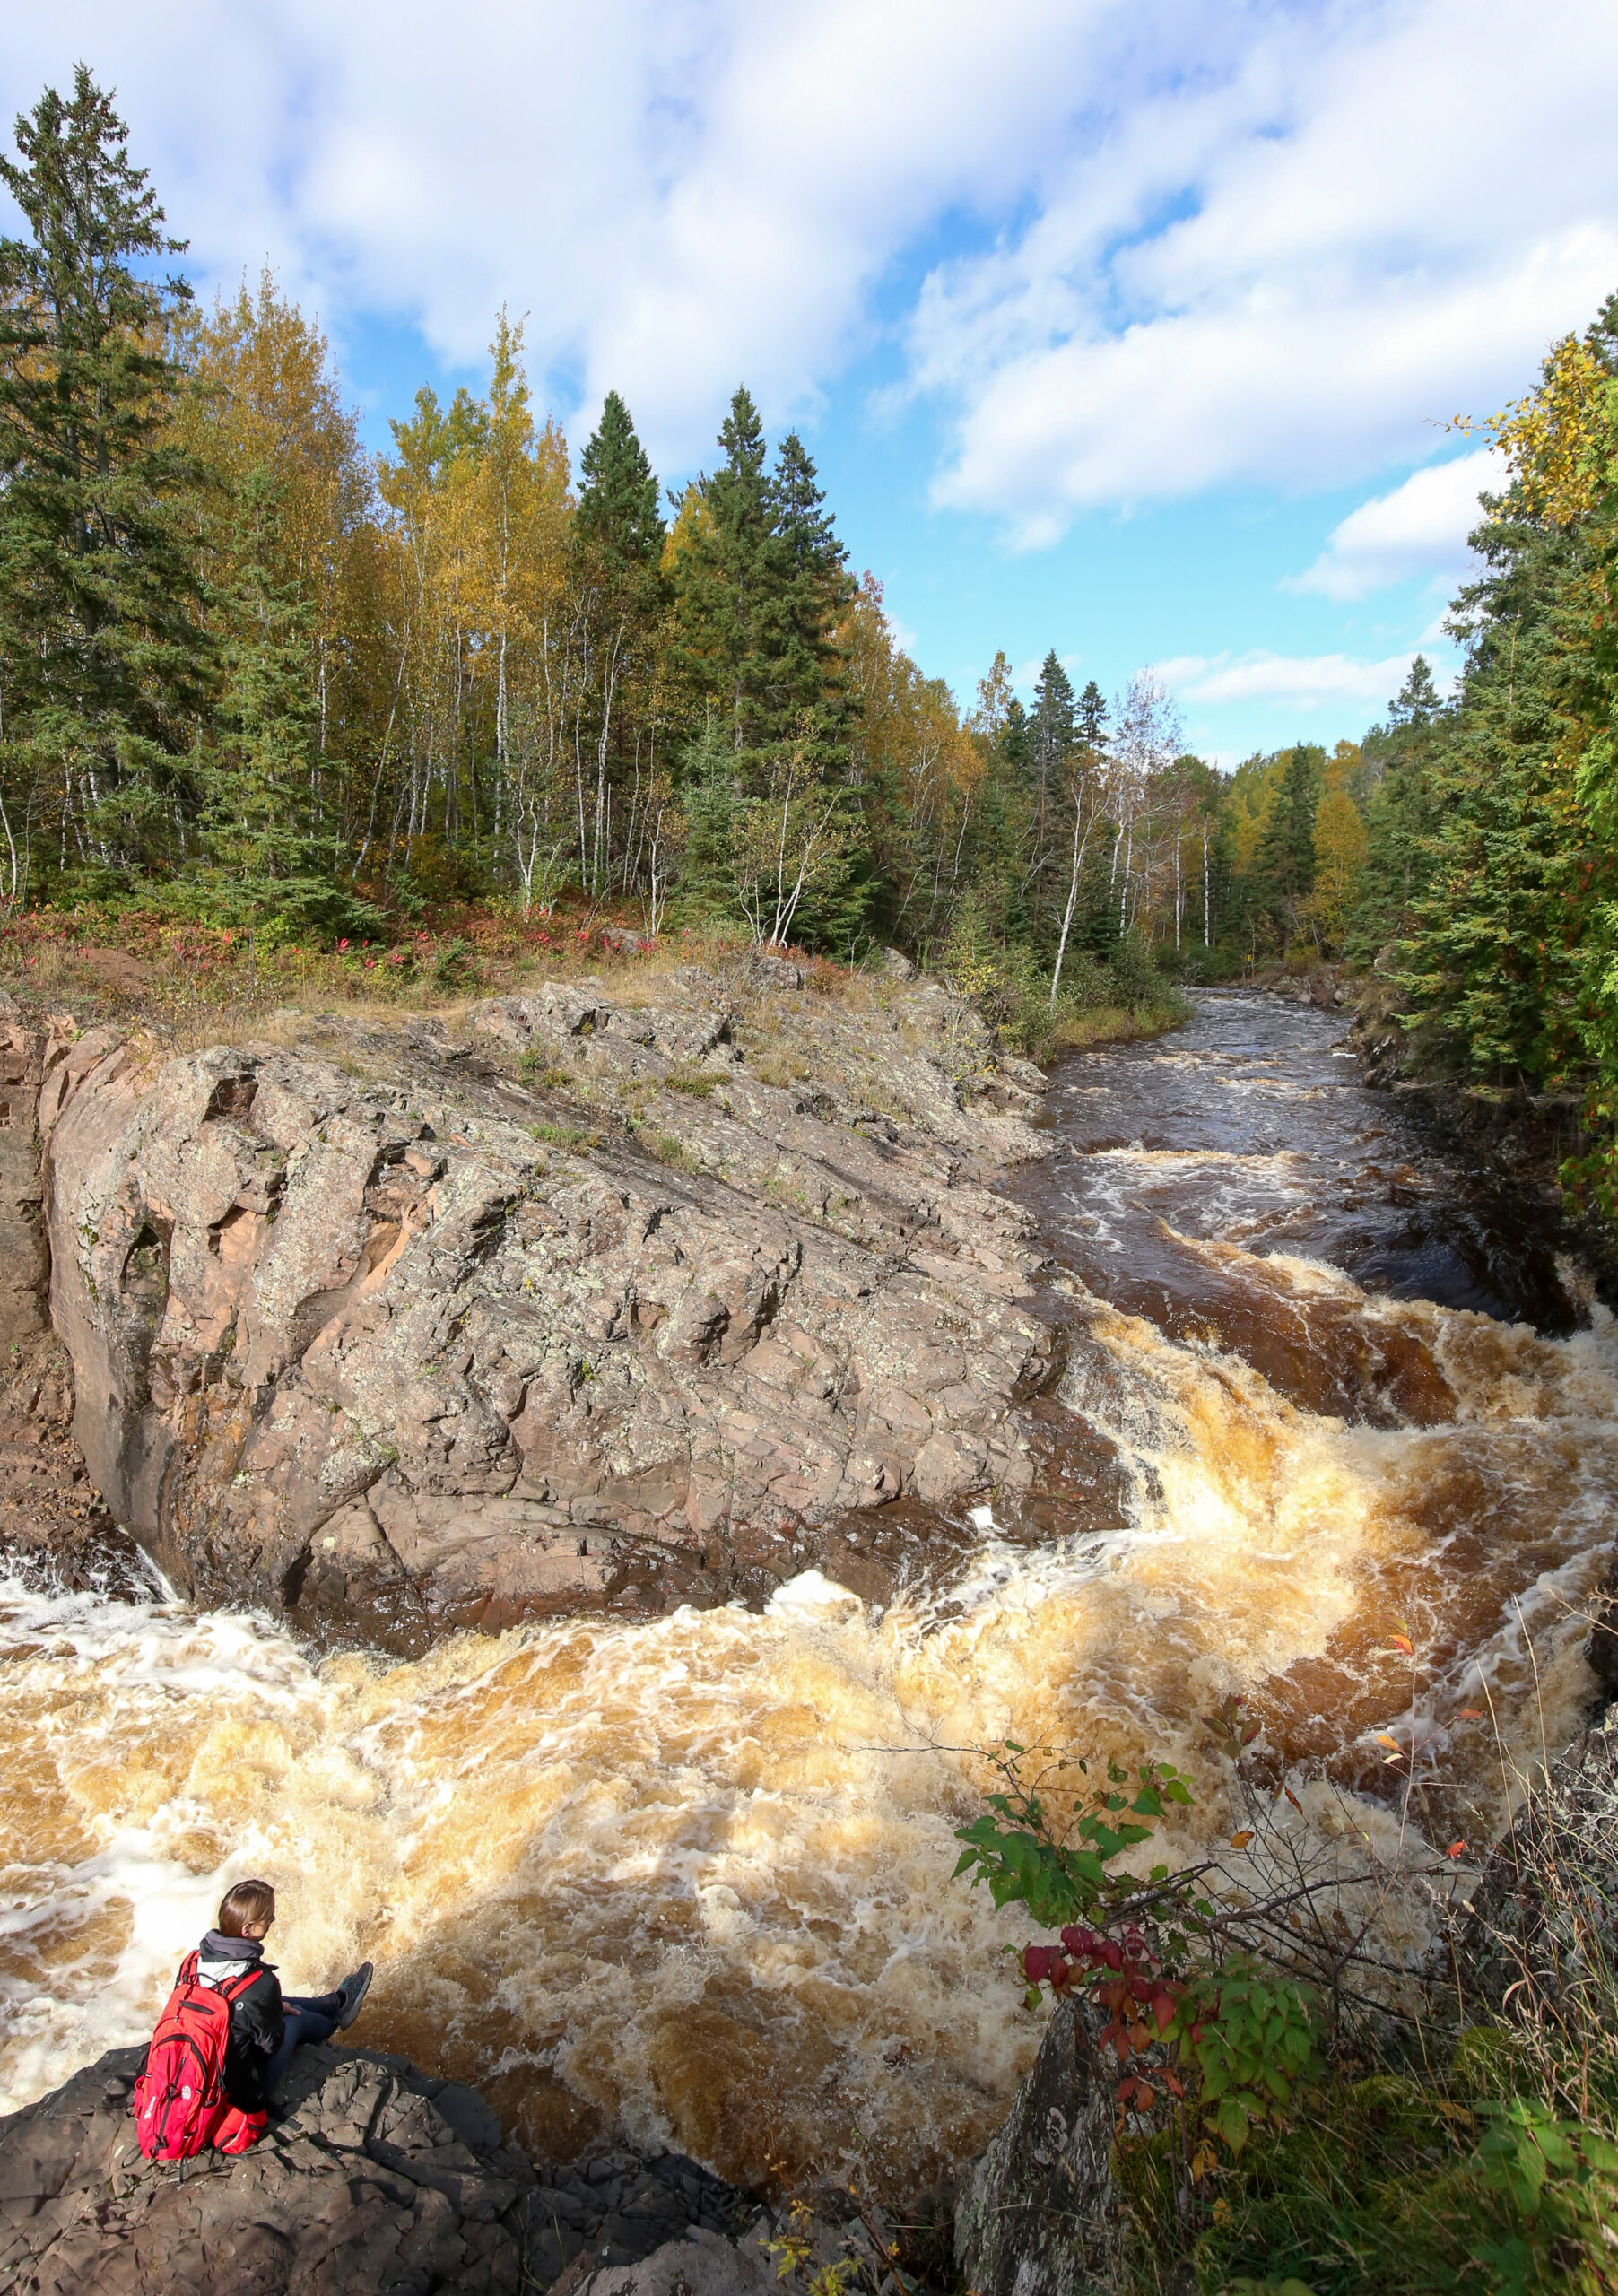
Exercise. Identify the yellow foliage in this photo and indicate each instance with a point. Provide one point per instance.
(267, 398)
(693, 519)
(1340, 850)
(1561, 439)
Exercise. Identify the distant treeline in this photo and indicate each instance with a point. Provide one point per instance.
(252, 675)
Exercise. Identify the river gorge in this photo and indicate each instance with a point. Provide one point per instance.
(689, 1875)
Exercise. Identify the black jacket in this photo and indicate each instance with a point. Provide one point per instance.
(257, 2024)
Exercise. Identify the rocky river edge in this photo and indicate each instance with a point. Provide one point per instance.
(377, 2179)
(605, 1295)
(595, 1296)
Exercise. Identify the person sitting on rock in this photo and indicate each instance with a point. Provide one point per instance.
(266, 2029)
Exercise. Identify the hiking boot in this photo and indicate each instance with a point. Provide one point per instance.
(352, 1993)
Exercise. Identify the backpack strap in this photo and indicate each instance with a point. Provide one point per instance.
(234, 1987)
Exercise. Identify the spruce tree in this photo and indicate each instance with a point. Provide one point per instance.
(721, 579)
(102, 657)
(1052, 738)
(1417, 702)
(267, 864)
(1053, 724)
(708, 871)
(1092, 716)
(1284, 863)
(806, 587)
(618, 513)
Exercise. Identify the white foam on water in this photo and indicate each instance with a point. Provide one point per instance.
(691, 1878)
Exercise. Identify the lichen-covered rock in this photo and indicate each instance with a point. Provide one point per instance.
(375, 2179)
(697, 2264)
(596, 1304)
(1035, 2217)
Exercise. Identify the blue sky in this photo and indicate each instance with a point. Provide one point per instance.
(1125, 327)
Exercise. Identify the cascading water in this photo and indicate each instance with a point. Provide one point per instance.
(693, 1876)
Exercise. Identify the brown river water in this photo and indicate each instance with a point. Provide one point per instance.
(689, 1879)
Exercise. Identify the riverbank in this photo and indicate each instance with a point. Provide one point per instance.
(668, 1863)
(1534, 1142)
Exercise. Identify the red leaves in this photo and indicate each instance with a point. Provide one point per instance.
(1454, 1849)
(1046, 1965)
(1127, 1981)
(1116, 2036)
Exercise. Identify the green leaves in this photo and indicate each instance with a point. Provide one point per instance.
(1061, 1873)
(1250, 2034)
(1056, 1885)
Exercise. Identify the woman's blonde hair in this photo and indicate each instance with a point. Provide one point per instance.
(249, 1905)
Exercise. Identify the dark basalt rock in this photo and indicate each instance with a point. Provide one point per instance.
(1035, 2217)
(376, 2178)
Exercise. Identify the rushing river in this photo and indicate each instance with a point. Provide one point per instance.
(692, 1878)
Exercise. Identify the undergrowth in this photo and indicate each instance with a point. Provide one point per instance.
(1448, 2129)
(1098, 1000)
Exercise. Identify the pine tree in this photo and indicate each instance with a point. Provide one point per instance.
(102, 657)
(618, 513)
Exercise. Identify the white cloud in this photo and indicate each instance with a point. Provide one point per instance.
(1420, 529)
(679, 194)
(1304, 682)
(1274, 271)
(1218, 242)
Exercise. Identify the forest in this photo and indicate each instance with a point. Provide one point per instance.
(259, 682)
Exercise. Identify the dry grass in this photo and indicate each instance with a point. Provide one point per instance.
(1108, 1024)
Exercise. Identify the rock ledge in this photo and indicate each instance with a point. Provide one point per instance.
(376, 2178)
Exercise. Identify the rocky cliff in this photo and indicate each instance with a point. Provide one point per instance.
(578, 1302)
(375, 2181)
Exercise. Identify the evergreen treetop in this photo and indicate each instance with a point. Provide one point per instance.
(1091, 716)
(104, 657)
(618, 508)
(1052, 722)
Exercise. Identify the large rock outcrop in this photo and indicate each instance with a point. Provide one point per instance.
(1037, 2216)
(377, 2181)
(586, 1303)
(49, 1510)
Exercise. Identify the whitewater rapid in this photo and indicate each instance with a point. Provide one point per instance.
(690, 1879)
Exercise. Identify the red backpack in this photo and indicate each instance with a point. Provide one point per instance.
(181, 2104)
